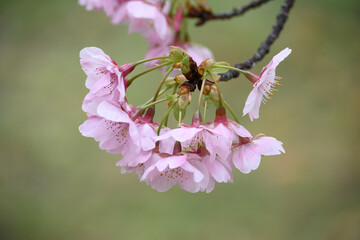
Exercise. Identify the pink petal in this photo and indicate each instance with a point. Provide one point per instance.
(252, 104)
(113, 113)
(171, 162)
(180, 134)
(198, 176)
(147, 134)
(216, 169)
(279, 57)
(239, 130)
(217, 144)
(245, 158)
(268, 146)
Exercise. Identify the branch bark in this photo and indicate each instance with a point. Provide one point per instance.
(207, 16)
(265, 45)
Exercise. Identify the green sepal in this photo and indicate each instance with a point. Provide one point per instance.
(217, 69)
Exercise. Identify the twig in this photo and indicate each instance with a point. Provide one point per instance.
(206, 16)
(265, 45)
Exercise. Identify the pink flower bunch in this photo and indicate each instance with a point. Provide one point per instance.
(154, 20)
(193, 157)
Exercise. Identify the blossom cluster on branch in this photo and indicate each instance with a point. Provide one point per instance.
(193, 156)
(161, 22)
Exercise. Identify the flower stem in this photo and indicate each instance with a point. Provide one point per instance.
(160, 93)
(219, 92)
(231, 111)
(149, 59)
(147, 71)
(205, 109)
(201, 92)
(165, 117)
(153, 103)
(175, 88)
(230, 68)
(180, 116)
(161, 84)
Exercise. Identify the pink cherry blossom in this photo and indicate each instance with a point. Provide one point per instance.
(117, 132)
(263, 85)
(197, 137)
(105, 79)
(146, 19)
(220, 169)
(165, 170)
(210, 145)
(247, 151)
(108, 6)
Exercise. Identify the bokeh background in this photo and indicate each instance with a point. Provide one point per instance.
(56, 184)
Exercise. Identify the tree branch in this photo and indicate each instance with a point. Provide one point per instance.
(205, 16)
(265, 45)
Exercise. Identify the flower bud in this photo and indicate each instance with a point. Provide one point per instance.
(205, 65)
(169, 82)
(207, 88)
(185, 66)
(175, 54)
(183, 90)
(180, 79)
(170, 102)
(214, 77)
(214, 97)
(184, 101)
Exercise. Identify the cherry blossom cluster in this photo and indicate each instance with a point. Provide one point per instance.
(161, 22)
(195, 155)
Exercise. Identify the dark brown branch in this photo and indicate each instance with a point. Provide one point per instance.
(205, 16)
(265, 45)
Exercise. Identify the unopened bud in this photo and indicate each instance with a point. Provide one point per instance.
(207, 64)
(180, 79)
(214, 77)
(214, 97)
(184, 101)
(183, 90)
(170, 102)
(207, 88)
(169, 82)
(201, 70)
(185, 69)
(175, 54)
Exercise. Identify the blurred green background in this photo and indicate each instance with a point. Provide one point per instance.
(56, 184)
